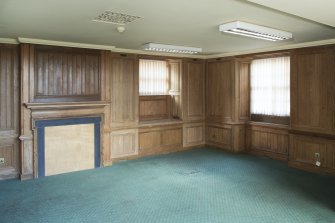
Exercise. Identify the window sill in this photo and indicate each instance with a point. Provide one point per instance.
(266, 124)
(271, 119)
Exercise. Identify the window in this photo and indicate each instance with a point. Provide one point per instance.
(270, 87)
(153, 77)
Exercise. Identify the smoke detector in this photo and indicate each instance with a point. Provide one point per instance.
(116, 18)
(120, 29)
(255, 31)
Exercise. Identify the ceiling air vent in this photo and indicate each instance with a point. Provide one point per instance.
(255, 31)
(116, 18)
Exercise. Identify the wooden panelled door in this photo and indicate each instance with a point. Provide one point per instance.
(9, 112)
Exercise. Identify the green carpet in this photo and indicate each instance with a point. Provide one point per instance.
(201, 185)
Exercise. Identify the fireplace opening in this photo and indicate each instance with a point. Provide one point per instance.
(68, 145)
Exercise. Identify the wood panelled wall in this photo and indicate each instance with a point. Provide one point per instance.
(124, 115)
(219, 90)
(160, 139)
(313, 108)
(9, 111)
(312, 90)
(227, 102)
(124, 90)
(311, 129)
(187, 102)
(175, 81)
(303, 149)
(155, 107)
(65, 74)
(193, 102)
(59, 82)
(209, 101)
(193, 90)
(268, 140)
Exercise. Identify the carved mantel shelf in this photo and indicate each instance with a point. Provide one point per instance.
(66, 105)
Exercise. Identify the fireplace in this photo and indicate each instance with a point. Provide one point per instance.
(68, 145)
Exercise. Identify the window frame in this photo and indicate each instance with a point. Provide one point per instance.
(156, 58)
(270, 119)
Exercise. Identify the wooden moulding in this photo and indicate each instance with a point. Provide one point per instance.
(312, 134)
(67, 105)
(159, 123)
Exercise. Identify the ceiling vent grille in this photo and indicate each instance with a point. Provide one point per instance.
(255, 31)
(116, 18)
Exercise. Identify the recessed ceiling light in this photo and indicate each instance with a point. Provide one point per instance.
(171, 48)
(255, 31)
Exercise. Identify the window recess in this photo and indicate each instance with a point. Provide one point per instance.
(270, 90)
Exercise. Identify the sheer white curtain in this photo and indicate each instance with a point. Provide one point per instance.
(153, 77)
(270, 86)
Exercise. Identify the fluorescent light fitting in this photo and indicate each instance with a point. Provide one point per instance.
(255, 31)
(171, 48)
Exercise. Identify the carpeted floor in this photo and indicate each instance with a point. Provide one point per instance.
(201, 185)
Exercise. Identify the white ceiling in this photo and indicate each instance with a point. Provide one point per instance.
(321, 11)
(179, 22)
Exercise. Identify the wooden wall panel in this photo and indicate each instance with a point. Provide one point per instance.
(193, 90)
(243, 90)
(124, 109)
(124, 90)
(219, 91)
(176, 106)
(227, 101)
(155, 107)
(330, 156)
(175, 85)
(303, 151)
(268, 140)
(239, 138)
(312, 108)
(160, 139)
(214, 107)
(9, 151)
(219, 136)
(193, 134)
(9, 111)
(312, 89)
(124, 143)
(66, 74)
(172, 137)
(9, 90)
(149, 140)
